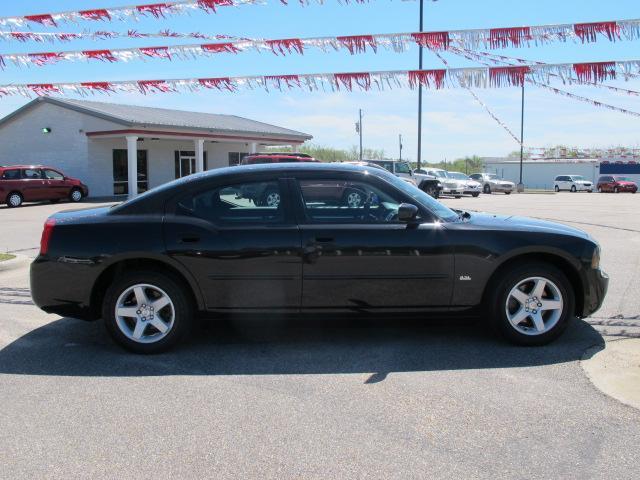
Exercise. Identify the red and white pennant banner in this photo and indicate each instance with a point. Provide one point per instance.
(475, 38)
(481, 77)
(588, 73)
(134, 12)
(40, 37)
(398, 42)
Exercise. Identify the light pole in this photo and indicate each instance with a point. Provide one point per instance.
(359, 130)
(400, 143)
(520, 184)
(420, 93)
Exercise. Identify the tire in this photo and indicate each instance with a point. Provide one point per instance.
(475, 195)
(599, 189)
(75, 195)
(14, 200)
(458, 196)
(557, 188)
(573, 189)
(507, 193)
(486, 189)
(54, 200)
(616, 190)
(178, 313)
(554, 321)
(431, 190)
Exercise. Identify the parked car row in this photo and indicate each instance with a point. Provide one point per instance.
(35, 183)
(606, 183)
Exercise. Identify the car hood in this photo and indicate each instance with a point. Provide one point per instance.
(524, 224)
(583, 182)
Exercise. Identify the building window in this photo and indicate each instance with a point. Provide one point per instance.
(121, 172)
(185, 162)
(236, 157)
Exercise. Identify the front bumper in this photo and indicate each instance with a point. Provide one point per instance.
(584, 188)
(596, 285)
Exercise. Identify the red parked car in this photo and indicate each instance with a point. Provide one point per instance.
(34, 183)
(611, 183)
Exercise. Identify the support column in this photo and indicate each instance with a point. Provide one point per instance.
(295, 147)
(199, 143)
(253, 147)
(132, 164)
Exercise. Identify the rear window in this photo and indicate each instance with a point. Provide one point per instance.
(12, 174)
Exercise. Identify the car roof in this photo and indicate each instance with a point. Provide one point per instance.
(26, 166)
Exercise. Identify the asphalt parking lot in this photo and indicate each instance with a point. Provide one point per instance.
(322, 397)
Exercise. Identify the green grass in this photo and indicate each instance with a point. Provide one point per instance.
(6, 256)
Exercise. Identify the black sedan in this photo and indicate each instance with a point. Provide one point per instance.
(198, 246)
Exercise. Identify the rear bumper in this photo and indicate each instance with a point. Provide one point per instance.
(62, 288)
(596, 285)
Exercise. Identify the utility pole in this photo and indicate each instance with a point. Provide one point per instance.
(520, 184)
(420, 93)
(359, 130)
(400, 142)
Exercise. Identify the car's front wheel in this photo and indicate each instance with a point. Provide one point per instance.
(14, 200)
(475, 195)
(147, 311)
(573, 188)
(532, 304)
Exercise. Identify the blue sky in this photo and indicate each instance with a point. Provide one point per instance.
(454, 124)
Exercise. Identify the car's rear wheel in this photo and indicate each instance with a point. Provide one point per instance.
(616, 190)
(75, 195)
(486, 189)
(599, 189)
(14, 199)
(557, 188)
(147, 311)
(532, 304)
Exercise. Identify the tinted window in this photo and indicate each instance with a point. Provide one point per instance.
(31, 173)
(345, 201)
(52, 175)
(239, 204)
(11, 174)
(476, 176)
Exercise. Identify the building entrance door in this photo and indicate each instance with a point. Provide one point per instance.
(185, 163)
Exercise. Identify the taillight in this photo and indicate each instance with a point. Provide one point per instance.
(46, 235)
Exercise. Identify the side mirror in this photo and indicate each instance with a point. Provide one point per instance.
(407, 212)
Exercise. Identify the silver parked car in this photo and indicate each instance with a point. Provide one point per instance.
(493, 183)
(471, 187)
(450, 186)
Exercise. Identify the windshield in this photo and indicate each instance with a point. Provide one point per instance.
(458, 176)
(423, 198)
(577, 177)
(438, 173)
(623, 179)
(493, 176)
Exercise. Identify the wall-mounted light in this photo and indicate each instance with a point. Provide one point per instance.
(46, 130)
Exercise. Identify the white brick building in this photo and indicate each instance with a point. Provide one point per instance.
(99, 142)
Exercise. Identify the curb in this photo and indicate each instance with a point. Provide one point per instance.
(15, 263)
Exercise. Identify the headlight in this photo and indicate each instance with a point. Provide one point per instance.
(595, 259)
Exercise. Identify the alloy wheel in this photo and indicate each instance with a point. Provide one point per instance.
(14, 200)
(76, 195)
(354, 200)
(144, 313)
(273, 199)
(534, 306)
